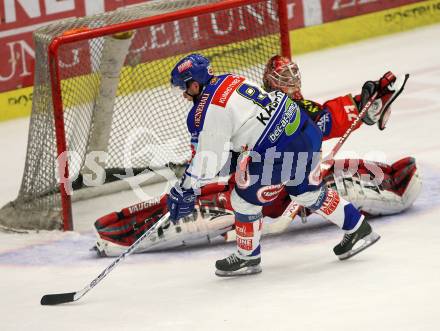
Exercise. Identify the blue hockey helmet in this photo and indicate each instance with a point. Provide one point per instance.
(192, 67)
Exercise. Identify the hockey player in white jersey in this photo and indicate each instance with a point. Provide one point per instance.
(283, 145)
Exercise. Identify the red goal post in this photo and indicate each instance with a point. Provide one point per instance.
(105, 80)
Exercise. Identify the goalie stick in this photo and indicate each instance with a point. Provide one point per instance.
(55, 299)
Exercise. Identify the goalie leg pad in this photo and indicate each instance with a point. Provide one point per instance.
(400, 186)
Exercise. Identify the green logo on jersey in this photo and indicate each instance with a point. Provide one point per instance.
(293, 126)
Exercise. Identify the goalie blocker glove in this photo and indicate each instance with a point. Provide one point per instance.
(388, 88)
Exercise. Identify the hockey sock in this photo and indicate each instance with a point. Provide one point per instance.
(340, 212)
(248, 229)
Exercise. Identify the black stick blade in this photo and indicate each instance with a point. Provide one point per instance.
(56, 299)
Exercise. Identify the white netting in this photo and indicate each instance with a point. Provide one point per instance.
(147, 122)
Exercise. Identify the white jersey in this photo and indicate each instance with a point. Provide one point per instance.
(233, 113)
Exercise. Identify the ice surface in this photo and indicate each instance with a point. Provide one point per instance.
(394, 285)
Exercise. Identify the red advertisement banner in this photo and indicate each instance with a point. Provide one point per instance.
(333, 10)
(18, 20)
(295, 14)
(16, 14)
(294, 10)
(114, 4)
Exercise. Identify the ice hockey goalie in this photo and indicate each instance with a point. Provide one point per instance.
(213, 218)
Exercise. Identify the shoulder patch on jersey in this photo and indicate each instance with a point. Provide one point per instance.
(325, 124)
(213, 80)
(225, 90)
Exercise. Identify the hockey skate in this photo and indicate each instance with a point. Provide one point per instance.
(388, 88)
(233, 265)
(356, 242)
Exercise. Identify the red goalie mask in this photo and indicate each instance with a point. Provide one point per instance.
(283, 75)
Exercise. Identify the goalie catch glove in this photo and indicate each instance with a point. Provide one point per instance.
(388, 88)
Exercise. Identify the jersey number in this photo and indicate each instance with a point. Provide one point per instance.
(254, 94)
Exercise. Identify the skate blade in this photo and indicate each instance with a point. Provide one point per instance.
(242, 272)
(367, 242)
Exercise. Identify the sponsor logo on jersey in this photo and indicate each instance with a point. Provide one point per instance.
(269, 193)
(200, 109)
(225, 90)
(331, 202)
(290, 109)
(184, 66)
(293, 126)
(264, 117)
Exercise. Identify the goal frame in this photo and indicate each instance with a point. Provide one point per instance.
(54, 69)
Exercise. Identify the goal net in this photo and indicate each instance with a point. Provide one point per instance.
(102, 103)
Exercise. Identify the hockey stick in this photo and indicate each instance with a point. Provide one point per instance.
(55, 299)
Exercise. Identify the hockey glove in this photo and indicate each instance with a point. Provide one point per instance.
(180, 203)
(388, 89)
